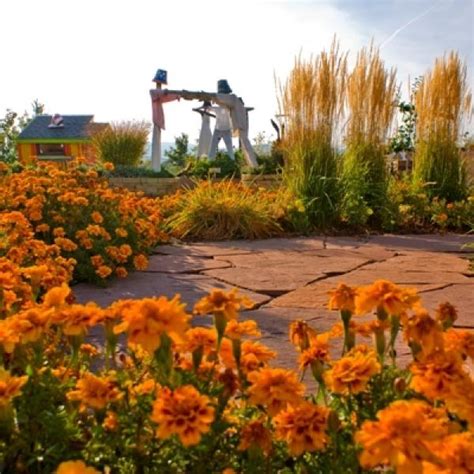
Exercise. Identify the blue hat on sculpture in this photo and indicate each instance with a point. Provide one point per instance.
(161, 76)
(223, 87)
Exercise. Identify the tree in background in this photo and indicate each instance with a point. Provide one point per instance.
(11, 126)
(178, 153)
(122, 143)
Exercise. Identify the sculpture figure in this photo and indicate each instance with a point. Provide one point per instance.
(205, 136)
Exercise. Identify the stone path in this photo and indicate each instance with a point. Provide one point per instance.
(289, 278)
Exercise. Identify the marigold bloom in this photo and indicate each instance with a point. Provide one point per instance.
(146, 320)
(95, 392)
(274, 389)
(56, 297)
(10, 387)
(385, 296)
(342, 298)
(446, 313)
(302, 427)
(235, 330)
(140, 262)
(111, 421)
(184, 412)
(424, 332)
(301, 334)
(351, 374)
(75, 467)
(121, 272)
(196, 338)
(456, 453)
(97, 217)
(254, 434)
(401, 436)
(76, 319)
(30, 324)
(461, 341)
(318, 351)
(223, 302)
(121, 232)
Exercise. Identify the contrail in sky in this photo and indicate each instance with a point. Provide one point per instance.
(406, 25)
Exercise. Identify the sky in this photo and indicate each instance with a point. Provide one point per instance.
(99, 56)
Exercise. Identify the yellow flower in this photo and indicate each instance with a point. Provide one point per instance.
(184, 412)
(401, 436)
(342, 298)
(146, 320)
(103, 271)
(226, 303)
(196, 338)
(274, 389)
(75, 467)
(318, 351)
(57, 296)
(77, 319)
(111, 421)
(30, 324)
(302, 427)
(10, 387)
(95, 392)
(254, 434)
(351, 374)
(461, 341)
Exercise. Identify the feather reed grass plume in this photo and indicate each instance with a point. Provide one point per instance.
(443, 102)
(371, 101)
(312, 102)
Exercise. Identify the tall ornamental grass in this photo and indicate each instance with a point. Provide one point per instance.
(442, 103)
(122, 143)
(371, 97)
(312, 100)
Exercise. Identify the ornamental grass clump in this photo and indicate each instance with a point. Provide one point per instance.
(442, 104)
(311, 102)
(371, 102)
(224, 210)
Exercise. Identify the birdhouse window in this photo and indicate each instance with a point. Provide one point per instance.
(51, 149)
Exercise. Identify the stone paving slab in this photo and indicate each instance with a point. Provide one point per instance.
(146, 285)
(183, 264)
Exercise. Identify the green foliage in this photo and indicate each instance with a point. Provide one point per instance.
(404, 139)
(224, 210)
(11, 126)
(438, 163)
(202, 167)
(128, 171)
(178, 154)
(122, 143)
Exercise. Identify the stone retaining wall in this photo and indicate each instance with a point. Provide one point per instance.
(152, 186)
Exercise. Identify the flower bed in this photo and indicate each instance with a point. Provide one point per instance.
(178, 398)
(105, 231)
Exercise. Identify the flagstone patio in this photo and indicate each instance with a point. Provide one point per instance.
(289, 278)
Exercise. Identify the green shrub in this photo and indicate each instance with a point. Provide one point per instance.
(128, 171)
(122, 143)
(228, 167)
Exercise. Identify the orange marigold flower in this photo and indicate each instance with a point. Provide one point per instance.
(456, 452)
(461, 341)
(184, 412)
(121, 272)
(30, 324)
(301, 334)
(196, 338)
(140, 262)
(401, 436)
(342, 298)
(423, 333)
(318, 351)
(65, 244)
(146, 320)
(75, 467)
(223, 302)
(109, 166)
(57, 296)
(89, 350)
(103, 271)
(77, 319)
(10, 387)
(235, 330)
(385, 296)
(302, 427)
(351, 374)
(111, 421)
(95, 392)
(97, 260)
(97, 217)
(446, 314)
(253, 435)
(121, 232)
(274, 389)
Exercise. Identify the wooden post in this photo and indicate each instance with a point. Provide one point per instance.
(156, 144)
